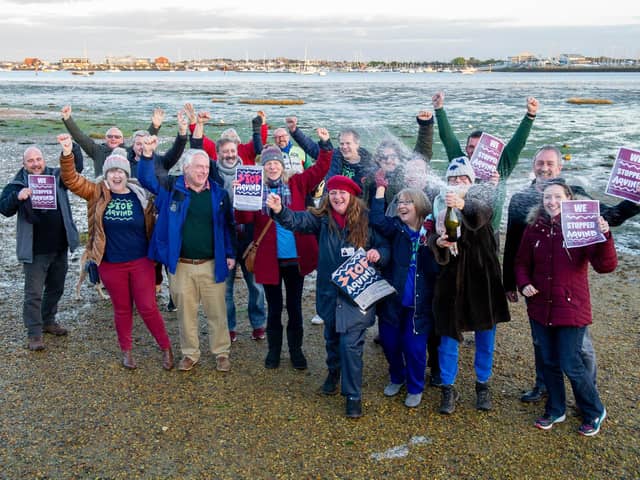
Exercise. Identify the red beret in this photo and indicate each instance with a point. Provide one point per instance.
(340, 182)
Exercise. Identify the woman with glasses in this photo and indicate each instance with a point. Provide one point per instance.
(406, 318)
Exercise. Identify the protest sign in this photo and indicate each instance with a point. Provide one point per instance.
(248, 194)
(624, 181)
(43, 192)
(360, 281)
(580, 225)
(486, 156)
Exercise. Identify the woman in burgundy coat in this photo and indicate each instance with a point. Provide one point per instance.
(284, 256)
(555, 281)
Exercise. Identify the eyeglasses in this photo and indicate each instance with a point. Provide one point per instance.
(114, 136)
(405, 202)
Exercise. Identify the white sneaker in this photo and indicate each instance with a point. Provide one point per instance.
(317, 320)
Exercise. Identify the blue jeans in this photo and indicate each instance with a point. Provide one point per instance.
(405, 351)
(448, 355)
(561, 353)
(255, 301)
(48, 272)
(587, 352)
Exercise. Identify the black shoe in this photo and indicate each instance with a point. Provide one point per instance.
(376, 339)
(449, 397)
(353, 408)
(330, 385)
(298, 360)
(483, 396)
(273, 359)
(435, 380)
(534, 395)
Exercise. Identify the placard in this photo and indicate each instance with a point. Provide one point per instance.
(43, 192)
(486, 156)
(624, 181)
(360, 281)
(580, 226)
(248, 194)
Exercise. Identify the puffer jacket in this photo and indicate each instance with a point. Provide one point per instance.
(560, 274)
(98, 196)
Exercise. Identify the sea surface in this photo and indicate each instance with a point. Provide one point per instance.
(376, 104)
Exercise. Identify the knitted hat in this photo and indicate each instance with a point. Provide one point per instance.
(117, 159)
(461, 166)
(340, 182)
(271, 153)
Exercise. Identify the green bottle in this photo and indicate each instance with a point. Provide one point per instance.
(452, 224)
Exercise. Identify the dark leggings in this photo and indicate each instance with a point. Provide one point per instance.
(293, 283)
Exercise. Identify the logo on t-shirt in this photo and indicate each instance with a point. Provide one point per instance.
(119, 209)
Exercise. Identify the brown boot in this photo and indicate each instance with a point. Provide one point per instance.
(167, 359)
(36, 343)
(128, 361)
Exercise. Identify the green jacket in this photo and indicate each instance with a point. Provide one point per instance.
(508, 159)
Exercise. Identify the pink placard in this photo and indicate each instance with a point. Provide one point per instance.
(43, 192)
(580, 223)
(624, 181)
(486, 156)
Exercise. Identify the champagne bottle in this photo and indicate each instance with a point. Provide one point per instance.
(452, 224)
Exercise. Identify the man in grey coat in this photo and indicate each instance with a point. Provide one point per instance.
(43, 237)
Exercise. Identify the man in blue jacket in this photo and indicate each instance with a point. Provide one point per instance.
(193, 238)
(43, 238)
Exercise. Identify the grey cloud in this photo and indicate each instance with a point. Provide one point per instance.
(179, 33)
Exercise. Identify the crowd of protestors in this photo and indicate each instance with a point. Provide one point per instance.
(320, 205)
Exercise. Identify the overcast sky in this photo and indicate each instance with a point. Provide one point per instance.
(330, 29)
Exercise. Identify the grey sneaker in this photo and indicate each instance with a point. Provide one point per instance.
(413, 400)
(317, 320)
(392, 389)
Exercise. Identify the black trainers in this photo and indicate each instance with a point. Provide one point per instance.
(534, 395)
(298, 360)
(483, 396)
(353, 408)
(448, 398)
(330, 385)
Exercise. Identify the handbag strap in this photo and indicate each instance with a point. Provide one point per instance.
(264, 231)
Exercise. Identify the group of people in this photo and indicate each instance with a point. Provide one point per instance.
(320, 205)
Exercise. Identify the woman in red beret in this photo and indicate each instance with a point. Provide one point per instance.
(341, 225)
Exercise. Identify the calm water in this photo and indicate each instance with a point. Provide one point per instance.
(375, 104)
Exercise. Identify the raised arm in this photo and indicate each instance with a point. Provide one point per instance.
(148, 169)
(312, 176)
(87, 143)
(424, 142)
(512, 150)
(171, 156)
(72, 179)
(447, 137)
(308, 145)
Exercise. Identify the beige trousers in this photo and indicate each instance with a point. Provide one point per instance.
(191, 286)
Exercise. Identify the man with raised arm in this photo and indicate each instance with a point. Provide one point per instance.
(43, 238)
(194, 238)
(510, 154)
(247, 151)
(98, 152)
(350, 160)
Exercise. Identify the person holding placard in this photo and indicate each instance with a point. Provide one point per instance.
(43, 238)
(284, 256)
(508, 158)
(341, 225)
(555, 281)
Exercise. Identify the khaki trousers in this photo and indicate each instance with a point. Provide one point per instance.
(191, 286)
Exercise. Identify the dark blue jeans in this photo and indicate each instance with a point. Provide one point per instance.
(587, 353)
(561, 353)
(43, 287)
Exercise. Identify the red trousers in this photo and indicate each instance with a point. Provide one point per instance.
(129, 282)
